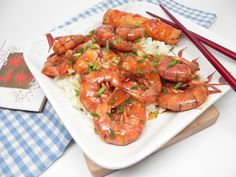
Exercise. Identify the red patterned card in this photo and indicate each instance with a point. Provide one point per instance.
(18, 88)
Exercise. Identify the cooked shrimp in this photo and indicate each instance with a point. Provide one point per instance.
(120, 125)
(65, 43)
(153, 28)
(144, 83)
(130, 34)
(176, 69)
(57, 65)
(104, 35)
(182, 100)
(96, 86)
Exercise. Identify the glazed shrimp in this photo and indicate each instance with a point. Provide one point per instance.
(122, 124)
(69, 42)
(190, 98)
(57, 65)
(96, 86)
(153, 28)
(176, 69)
(105, 33)
(144, 82)
(130, 34)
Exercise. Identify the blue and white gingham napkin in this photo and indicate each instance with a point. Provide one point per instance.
(31, 142)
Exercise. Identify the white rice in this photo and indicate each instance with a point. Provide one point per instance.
(154, 47)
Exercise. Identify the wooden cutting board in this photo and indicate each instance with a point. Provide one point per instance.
(206, 119)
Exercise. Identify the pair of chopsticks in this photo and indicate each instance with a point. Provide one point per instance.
(194, 38)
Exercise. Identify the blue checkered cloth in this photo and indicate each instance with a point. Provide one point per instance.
(31, 142)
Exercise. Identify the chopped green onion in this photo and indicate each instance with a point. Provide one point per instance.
(173, 63)
(139, 72)
(69, 62)
(178, 85)
(155, 114)
(76, 89)
(141, 60)
(77, 54)
(101, 91)
(156, 57)
(117, 41)
(138, 40)
(110, 115)
(157, 19)
(95, 131)
(153, 71)
(111, 133)
(113, 100)
(120, 110)
(143, 88)
(135, 53)
(94, 41)
(93, 47)
(135, 86)
(196, 77)
(91, 33)
(197, 64)
(92, 67)
(171, 48)
(164, 91)
(94, 114)
(154, 63)
(116, 60)
(147, 56)
(77, 92)
(107, 47)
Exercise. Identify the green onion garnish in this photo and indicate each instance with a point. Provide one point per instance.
(113, 100)
(164, 91)
(135, 86)
(140, 60)
(94, 114)
(116, 60)
(77, 54)
(139, 72)
(173, 63)
(111, 133)
(101, 91)
(178, 85)
(153, 71)
(107, 47)
(91, 33)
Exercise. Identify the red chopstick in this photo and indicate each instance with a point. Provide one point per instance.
(206, 41)
(218, 66)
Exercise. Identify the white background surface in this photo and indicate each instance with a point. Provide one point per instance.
(211, 152)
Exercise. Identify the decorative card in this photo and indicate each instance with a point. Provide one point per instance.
(18, 88)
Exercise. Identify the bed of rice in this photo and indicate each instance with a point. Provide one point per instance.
(71, 85)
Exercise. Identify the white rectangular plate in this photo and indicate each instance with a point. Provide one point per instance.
(156, 133)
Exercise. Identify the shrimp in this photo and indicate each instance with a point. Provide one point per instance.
(65, 43)
(105, 34)
(154, 28)
(144, 83)
(176, 69)
(190, 98)
(57, 65)
(96, 86)
(130, 34)
(122, 124)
